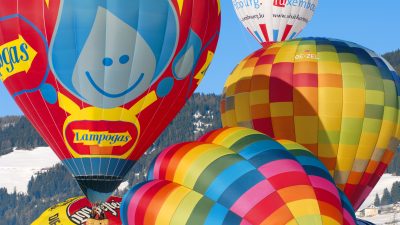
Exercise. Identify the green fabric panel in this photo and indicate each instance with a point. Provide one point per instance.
(213, 170)
(200, 212)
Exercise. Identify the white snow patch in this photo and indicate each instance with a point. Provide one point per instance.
(150, 151)
(386, 181)
(197, 115)
(381, 219)
(199, 124)
(17, 167)
(124, 185)
(6, 125)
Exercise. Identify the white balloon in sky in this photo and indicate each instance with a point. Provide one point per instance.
(274, 20)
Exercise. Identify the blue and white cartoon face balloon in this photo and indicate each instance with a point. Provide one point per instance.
(107, 53)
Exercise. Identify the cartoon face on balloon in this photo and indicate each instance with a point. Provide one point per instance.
(119, 51)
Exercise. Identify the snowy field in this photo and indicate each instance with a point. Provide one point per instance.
(386, 181)
(17, 168)
(384, 219)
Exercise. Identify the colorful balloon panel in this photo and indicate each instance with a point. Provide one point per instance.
(274, 20)
(100, 80)
(337, 98)
(236, 176)
(76, 211)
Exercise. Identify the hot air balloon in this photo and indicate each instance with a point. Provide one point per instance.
(78, 211)
(101, 79)
(337, 98)
(236, 176)
(272, 21)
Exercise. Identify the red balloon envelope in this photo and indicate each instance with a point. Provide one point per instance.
(101, 79)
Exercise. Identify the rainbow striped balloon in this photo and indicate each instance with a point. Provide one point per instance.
(337, 98)
(236, 176)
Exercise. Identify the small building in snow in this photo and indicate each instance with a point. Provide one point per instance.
(371, 211)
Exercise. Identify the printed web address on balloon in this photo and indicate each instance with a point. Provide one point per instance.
(306, 4)
(283, 16)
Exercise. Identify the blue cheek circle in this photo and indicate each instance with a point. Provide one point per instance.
(165, 87)
(49, 93)
(124, 59)
(107, 61)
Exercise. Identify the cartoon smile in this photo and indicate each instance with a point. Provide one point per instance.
(113, 67)
(108, 62)
(110, 95)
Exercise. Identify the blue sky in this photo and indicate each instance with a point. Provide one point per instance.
(371, 23)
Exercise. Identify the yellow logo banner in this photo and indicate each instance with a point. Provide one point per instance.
(15, 57)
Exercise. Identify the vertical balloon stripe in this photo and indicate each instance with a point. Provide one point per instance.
(252, 197)
(213, 170)
(169, 205)
(353, 111)
(200, 164)
(216, 215)
(157, 202)
(330, 113)
(132, 209)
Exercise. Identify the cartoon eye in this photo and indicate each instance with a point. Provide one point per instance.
(124, 59)
(107, 61)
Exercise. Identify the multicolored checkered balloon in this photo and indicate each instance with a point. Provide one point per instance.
(237, 176)
(337, 98)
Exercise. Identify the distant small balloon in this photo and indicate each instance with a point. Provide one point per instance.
(272, 21)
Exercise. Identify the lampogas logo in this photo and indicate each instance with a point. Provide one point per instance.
(101, 138)
(15, 57)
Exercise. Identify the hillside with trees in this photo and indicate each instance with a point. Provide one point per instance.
(394, 59)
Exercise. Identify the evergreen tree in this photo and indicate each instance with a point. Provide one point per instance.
(395, 192)
(394, 59)
(386, 198)
(377, 201)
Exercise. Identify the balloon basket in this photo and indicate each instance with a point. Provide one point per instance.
(97, 222)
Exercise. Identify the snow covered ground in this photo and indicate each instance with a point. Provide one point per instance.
(17, 168)
(383, 218)
(386, 181)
